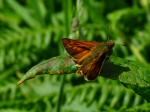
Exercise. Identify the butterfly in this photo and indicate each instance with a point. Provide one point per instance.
(89, 56)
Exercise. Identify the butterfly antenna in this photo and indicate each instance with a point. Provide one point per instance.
(122, 42)
(108, 32)
(107, 38)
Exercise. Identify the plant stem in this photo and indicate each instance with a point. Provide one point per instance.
(66, 5)
(60, 98)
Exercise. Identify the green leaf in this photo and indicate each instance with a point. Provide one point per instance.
(56, 65)
(131, 74)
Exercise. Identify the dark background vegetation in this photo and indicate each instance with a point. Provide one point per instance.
(31, 31)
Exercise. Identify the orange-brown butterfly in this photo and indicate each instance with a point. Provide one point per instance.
(88, 55)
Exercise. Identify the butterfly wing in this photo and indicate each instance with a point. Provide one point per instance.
(92, 68)
(79, 50)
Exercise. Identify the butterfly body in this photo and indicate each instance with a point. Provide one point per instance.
(90, 56)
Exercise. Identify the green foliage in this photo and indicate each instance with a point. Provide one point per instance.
(131, 74)
(31, 31)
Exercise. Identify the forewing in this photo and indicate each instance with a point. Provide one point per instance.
(79, 49)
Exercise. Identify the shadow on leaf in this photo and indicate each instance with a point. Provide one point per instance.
(111, 70)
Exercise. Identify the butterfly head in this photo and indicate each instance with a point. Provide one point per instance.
(110, 44)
